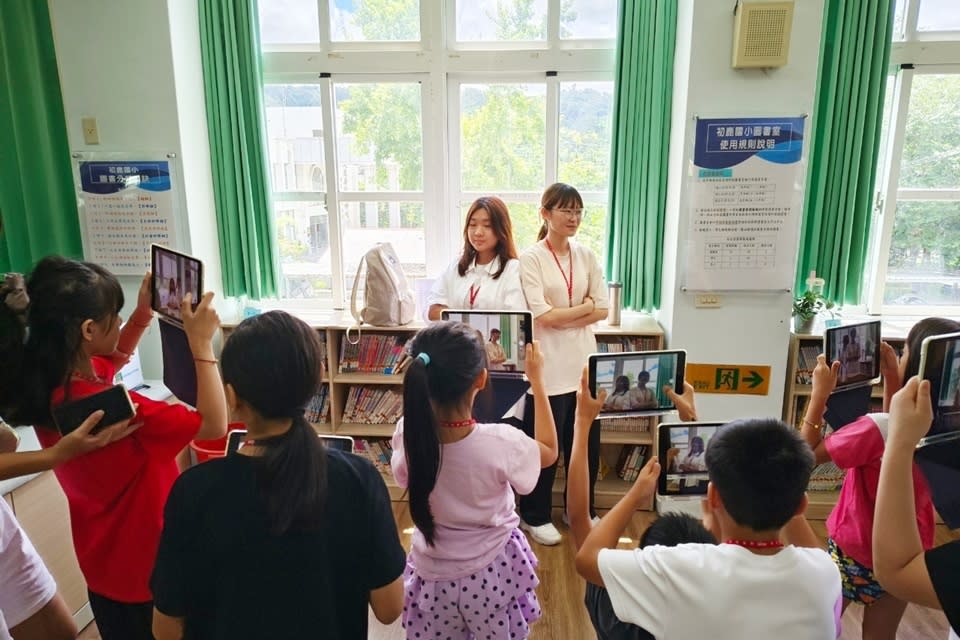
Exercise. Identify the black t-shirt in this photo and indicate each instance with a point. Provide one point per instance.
(220, 568)
(943, 565)
(606, 623)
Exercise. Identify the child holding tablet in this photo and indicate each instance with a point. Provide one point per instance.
(858, 447)
(929, 577)
(470, 572)
(752, 585)
(116, 494)
(286, 538)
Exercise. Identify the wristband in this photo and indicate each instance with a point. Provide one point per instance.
(206, 360)
(818, 427)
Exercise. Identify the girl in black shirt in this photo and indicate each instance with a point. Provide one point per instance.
(285, 539)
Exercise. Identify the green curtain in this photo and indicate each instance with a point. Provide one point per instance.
(854, 54)
(232, 79)
(666, 370)
(641, 141)
(38, 204)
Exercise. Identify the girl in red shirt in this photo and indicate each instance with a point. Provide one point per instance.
(68, 344)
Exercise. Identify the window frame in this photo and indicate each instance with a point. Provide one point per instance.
(916, 53)
(440, 64)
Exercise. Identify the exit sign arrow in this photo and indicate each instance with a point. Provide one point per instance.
(754, 379)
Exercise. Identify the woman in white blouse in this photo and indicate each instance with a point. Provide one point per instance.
(487, 274)
(564, 287)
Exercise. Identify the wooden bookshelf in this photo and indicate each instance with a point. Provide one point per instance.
(333, 327)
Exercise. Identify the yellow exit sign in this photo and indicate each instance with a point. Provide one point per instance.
(747, 379)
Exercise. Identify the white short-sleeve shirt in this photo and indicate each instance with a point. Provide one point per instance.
(724, 592)
(565, 351)
(26, 585)
(453, 290)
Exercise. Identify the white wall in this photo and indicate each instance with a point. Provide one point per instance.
(135, 67)
(750, 328)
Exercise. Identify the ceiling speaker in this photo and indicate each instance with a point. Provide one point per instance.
(761, 34)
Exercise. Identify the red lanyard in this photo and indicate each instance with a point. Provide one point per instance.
(474, 292)
(569, 282)
(756, 544)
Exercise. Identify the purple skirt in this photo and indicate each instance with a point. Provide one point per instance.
(498, 601)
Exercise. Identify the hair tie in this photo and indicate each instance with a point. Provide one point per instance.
(423, 357)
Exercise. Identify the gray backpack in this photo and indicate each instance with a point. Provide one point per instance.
(387, 298)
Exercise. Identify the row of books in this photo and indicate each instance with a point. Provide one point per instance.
(826, 477)
(642, 424)
(373, 353)
(632, 459)
(378, 451)
(560, 476)
(806, 362)
(373, 405)
(318, 409)
(625, 343)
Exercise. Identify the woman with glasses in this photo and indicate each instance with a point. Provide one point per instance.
(487, 273)
(564, 287)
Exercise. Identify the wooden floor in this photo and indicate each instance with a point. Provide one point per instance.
(561, 591)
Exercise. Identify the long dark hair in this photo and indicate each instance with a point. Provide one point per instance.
(39, 348)
(558, 196)
(273, 362)
(456, 358)
(502, 228)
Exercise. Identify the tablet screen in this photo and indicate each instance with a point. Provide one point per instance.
(238, 437)
(175, 274)
(504, 335)
(682, 450)
(634, 381)
(857, 348)
(940, 364)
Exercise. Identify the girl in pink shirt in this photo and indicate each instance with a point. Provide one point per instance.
(470, 571)
(858, 448)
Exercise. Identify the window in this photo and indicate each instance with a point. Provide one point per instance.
(387, 118)
(916, 244)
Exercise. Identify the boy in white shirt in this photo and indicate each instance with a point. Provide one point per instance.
(751, 585)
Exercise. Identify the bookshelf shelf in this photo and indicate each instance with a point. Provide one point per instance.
(381, 347)
(383, 430)
(367, 378)
(625, 437)
(323, 428)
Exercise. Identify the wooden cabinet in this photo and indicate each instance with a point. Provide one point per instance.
(371, 374)
(41, 509)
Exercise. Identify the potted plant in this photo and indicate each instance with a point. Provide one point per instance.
(805, 310)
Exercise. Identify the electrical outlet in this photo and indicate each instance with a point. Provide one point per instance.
(707, 301)
(91, 134)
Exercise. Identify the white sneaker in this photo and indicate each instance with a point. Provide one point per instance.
(566, 520)
(545, 534)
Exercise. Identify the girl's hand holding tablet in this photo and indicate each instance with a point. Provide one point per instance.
(200, 324)
(824, 379)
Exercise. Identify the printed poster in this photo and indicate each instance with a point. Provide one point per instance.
(127, 206)
(746, 187)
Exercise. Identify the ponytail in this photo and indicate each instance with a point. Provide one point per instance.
(273, 361)
(421, 445)
(543, 232)
(292, 476)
